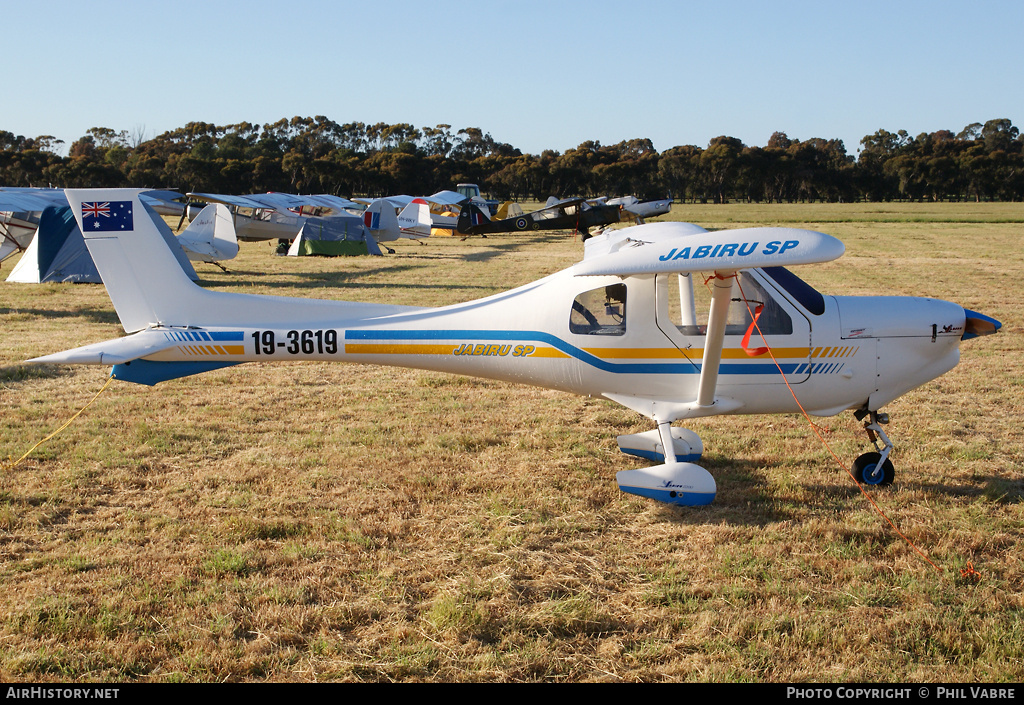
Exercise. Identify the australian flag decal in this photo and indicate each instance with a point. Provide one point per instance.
(100, 216)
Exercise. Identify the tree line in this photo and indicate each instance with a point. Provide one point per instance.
(984, 161)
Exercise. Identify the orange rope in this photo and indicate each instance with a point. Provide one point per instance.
(826, 444)
(970, 573)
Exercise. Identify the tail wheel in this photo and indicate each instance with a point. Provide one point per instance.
(867, 471)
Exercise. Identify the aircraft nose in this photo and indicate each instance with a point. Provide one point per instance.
(979, 324)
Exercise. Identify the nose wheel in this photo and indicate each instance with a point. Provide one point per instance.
(869, 469)
(875, 468)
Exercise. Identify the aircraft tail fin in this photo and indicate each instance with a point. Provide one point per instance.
(508, 209)
(470, 218)
(142, 295)
(414, 220)
(211, 235)
(380, 219)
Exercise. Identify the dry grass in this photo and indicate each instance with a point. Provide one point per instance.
(300, 522)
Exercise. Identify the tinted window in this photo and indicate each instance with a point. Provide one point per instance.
(800, 290)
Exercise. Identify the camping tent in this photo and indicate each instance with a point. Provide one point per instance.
(332, 237)
(58, 253)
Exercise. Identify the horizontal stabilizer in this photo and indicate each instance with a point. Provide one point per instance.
(113, 352)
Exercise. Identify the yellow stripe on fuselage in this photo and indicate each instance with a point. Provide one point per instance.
(212, 349)
(389, 349)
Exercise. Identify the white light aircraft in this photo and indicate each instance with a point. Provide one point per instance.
(210, 237)
(635, 209)
(273, 216)
(439, 211)
(622, 324)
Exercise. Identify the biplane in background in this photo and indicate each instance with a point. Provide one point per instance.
(622, 324)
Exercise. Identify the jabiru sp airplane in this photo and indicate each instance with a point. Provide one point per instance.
(627, 323)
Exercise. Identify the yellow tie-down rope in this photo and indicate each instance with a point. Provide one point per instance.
(14, 464)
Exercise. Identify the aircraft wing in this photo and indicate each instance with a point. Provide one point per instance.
(678, 248)
(280, 202)
(227, 200)
(335, 203)
(29, 200)
(674, 247)
(553, 202)
(614, 240)
(446, 198)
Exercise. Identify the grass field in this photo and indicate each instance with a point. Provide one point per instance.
(318, 522)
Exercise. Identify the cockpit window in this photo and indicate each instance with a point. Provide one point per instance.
(600, 311)
(807, 295)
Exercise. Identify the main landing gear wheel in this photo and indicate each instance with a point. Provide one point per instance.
(868, 471)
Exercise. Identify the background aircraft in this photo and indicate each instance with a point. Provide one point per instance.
(210, 237)
(624, 324)
(639, 211)
(280, 216)
(572, 214)
(273, 216)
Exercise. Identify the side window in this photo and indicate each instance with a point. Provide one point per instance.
(690, 303)
(600, 311)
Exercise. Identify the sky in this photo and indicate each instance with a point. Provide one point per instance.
(537, 75)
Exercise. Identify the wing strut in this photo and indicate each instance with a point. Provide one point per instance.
(715, 339)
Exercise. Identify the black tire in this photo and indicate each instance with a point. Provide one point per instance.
(867, 472)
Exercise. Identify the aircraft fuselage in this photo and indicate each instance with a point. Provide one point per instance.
(855, 352)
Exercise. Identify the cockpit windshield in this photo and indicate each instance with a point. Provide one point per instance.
(805, 294)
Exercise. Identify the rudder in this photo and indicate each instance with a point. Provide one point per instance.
(143, 277)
